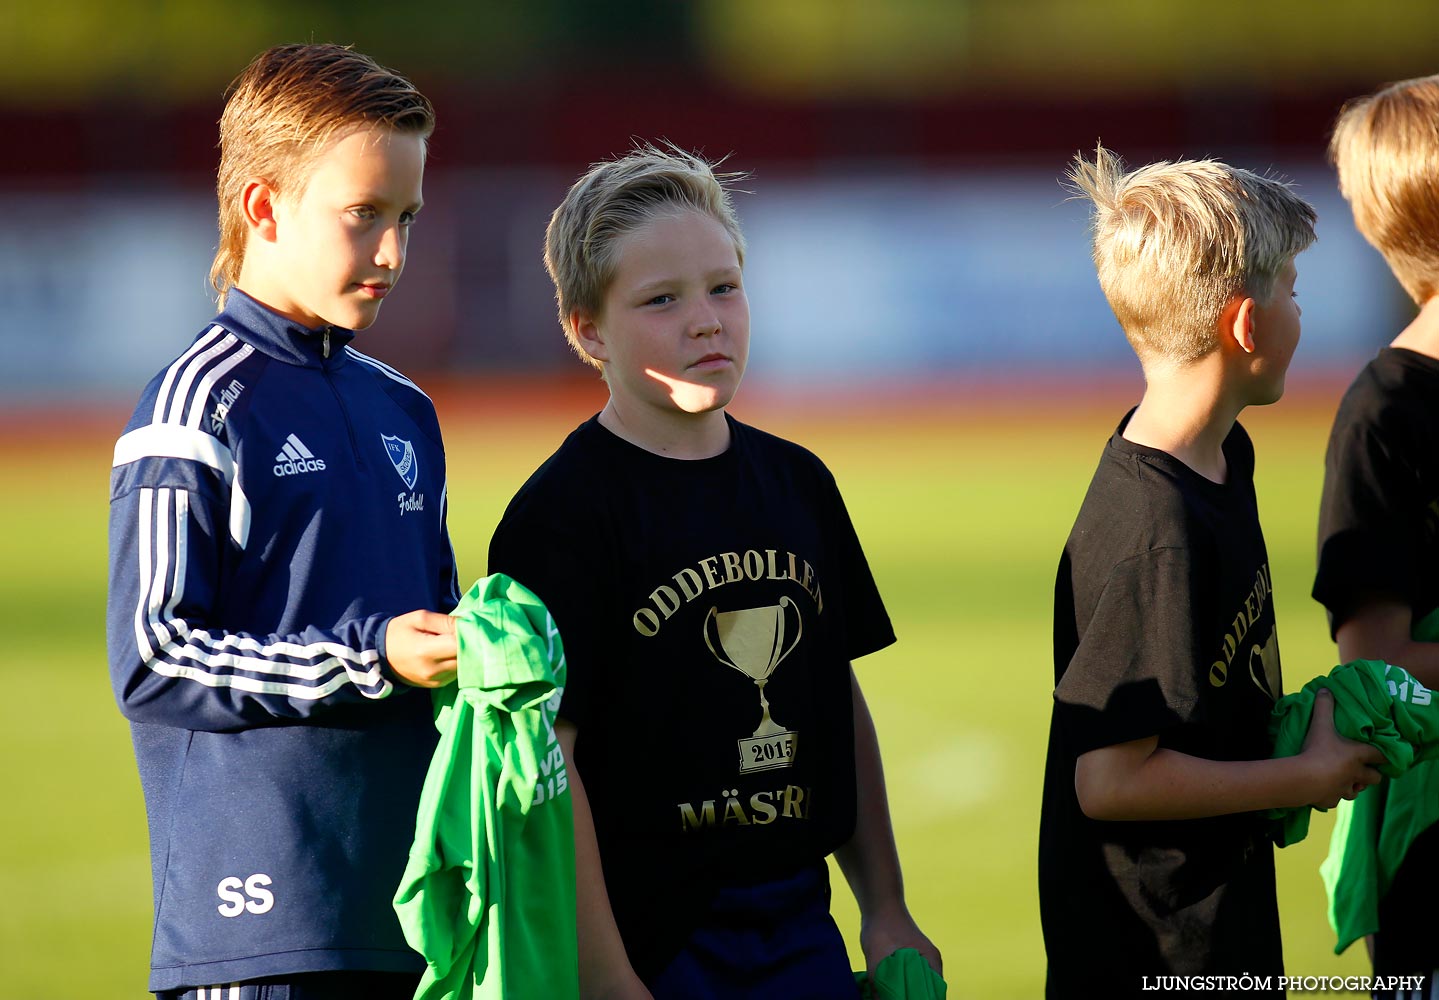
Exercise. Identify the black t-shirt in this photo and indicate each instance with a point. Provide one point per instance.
(680, 586)
(1379, 513)
(1379, 538)
(1163, 626)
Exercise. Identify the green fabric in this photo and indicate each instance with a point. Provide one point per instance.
(904, 975)
(488, 896)
(1374, 702)
(1372, 835)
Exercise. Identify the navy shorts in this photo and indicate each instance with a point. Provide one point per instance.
(771, 941)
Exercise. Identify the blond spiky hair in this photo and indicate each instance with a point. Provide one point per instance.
(616, 197)
(1175, 241)
(1386, 149)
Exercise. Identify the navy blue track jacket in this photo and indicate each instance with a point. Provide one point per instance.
(276, 498)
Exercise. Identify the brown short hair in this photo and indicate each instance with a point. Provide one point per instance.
(1175, 241)
(615, 197)
(1386, 149)
(283, 110)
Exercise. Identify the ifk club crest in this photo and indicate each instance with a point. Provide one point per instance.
(403, 458)
(752, 641)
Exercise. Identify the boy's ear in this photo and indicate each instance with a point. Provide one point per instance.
(257, 205)
(1237, 321)
(587, 332)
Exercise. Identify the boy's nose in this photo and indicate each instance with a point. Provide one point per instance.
(705, 323)
(390, 253)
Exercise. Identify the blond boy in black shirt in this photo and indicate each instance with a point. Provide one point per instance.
(712, 594)
(1378, 569)
(1153, 857)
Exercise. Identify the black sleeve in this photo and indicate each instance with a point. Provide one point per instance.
(1370, 522)
(547, 553)
(864, 619)
(1138, 667)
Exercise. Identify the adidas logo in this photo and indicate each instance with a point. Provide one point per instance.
(295, 459)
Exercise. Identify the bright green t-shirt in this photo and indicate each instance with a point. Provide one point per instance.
(902, 975)
(488, 896)
(1382, 704)
(1374, 702)
(1372, 835)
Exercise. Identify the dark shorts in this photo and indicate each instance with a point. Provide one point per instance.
(307, 986)
(771, 941)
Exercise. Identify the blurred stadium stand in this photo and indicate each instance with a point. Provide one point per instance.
(907, 215)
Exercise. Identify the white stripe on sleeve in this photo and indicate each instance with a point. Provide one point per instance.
(181, 549)
(160, 569)
(172, 441)
(174, 412)
(202, 391)
(202, 343)
(143, 543)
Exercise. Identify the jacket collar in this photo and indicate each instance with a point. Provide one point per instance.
(282, 338)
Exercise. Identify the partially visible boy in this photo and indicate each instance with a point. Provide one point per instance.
(1378, 570)
(711, 593)
(1153, 855)
(277, 513)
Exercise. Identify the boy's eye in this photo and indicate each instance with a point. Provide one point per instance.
(659, 300)
(407, 218)
(725, 287)
(363, 212)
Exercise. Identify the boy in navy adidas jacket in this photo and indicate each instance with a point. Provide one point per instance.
(277, 518)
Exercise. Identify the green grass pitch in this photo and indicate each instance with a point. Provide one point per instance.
(962, 510)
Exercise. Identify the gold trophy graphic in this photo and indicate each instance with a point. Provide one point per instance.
(1266, 676)
(752, 641)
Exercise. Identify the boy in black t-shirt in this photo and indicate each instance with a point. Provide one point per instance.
(1378, 572)
(711, 593)
(1153, 858)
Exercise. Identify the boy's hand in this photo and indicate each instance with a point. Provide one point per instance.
(880, 936)
(421, 649)
(1341, 768)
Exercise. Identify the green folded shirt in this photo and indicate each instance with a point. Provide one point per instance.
(1372, 835)
(1374, 702)
(904, 975)
(488, 895)
(1382, 704)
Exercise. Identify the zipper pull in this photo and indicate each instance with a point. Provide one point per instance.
(327, 343)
